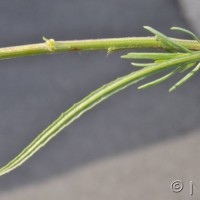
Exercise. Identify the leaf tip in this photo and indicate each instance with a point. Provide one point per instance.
(172, 89)
(173, 28)
(147, 27)
(140, 87)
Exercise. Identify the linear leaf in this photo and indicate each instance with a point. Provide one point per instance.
(185, 78)
(186, 67)
(142, 64)
(187, 32)
(167, 41)
(159, 80)
(153, 56)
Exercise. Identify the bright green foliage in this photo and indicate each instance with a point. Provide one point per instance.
(167, 41)
(164, 57)
(180, 61)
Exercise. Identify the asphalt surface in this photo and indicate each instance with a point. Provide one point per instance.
(123, 148)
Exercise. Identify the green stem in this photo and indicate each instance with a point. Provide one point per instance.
(89, 102)
(110, 45)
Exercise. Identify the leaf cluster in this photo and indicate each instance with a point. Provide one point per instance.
(177, 51)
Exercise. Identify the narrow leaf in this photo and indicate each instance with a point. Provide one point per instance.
(187, 66)
(187, 32)
(142, 64)
(88, 103)
(185, 78)
(153, 56)
(167, 41)
(159, 80)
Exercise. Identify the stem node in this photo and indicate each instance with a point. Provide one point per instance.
(50, 44)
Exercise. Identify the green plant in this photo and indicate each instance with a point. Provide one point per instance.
(182, 55)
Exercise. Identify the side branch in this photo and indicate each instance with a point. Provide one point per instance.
(88, 103)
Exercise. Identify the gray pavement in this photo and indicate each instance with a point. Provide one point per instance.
(146, 173)
(122, 149)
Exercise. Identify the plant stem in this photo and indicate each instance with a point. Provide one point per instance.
(110, 45)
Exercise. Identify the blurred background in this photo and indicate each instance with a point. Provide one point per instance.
(133, 145)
